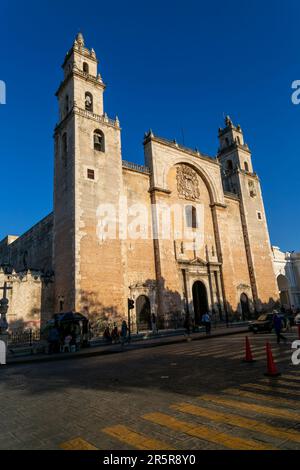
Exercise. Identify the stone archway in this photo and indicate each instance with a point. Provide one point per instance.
(143, 313)
(283, 287)
(200, 301)
(246, 314)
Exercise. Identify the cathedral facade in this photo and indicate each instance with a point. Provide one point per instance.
(182, 234)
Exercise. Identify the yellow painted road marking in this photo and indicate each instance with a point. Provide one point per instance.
(269, 388)
(258, 353)
(203, 350)
(239, 421)
(251, 406)
(193, 350)
(206, 434)
(240, 353)
(77, 444)
(258, 396)
(135, 439)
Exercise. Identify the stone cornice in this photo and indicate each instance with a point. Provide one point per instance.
(218, 204)
(233, 148)
(82, 75)
(104, 119)
(82, 51)
(173, 144)
(156, 189)
(233, 196)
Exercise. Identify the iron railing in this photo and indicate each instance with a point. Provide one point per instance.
(23, 337)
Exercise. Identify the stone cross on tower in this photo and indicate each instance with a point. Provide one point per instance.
(5, 288)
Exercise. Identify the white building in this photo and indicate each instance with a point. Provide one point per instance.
(287, 271)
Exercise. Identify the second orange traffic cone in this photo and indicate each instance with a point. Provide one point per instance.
(271, 366)
(248, 353)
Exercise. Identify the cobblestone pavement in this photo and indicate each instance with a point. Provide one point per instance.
(195, 395)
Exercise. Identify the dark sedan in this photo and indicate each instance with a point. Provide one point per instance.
(264, 323)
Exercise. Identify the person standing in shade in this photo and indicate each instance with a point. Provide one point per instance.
(277, 322)
(188, 324)
(124, 330)
(153, 324)
(206, 320)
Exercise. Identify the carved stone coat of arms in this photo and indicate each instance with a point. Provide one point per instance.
(187, 182)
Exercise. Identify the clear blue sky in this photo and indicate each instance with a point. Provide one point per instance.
(168, 65)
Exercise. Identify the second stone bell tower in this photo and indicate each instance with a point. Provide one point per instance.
(239, 177)
(88, 173)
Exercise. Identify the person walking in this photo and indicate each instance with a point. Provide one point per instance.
(124, 330)
(277, 322)
(206, 320)
(188, 324)
(115, 337)
(153, 324)
(53, 340)
(106, 335)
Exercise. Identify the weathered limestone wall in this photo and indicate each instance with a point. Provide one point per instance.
(99, 271)
(174, 255)
(235, 267)
(64, 217)
(259, 242)
(31, 250)
(139, 270)
(30, 299)
(140, 265)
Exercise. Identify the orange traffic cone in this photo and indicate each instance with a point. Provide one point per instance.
(248, 353)
(271, 366)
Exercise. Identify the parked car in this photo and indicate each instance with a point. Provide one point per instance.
(263, 323)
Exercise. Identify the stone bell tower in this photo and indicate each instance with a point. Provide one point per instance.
(87, 162)
(239, 178)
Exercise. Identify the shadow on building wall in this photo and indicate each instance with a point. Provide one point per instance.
(170, 308)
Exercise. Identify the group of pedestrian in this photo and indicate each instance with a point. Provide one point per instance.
(115, 335)
(189, 324)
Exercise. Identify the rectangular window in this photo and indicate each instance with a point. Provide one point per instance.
(259, 216)
(91, 174)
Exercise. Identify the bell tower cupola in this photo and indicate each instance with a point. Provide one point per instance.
(80, 73)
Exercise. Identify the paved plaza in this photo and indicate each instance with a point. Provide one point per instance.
(191, 395)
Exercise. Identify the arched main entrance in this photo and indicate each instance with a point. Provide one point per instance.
(143, 313)
(199, 301)
(283, 287)
(245, 306)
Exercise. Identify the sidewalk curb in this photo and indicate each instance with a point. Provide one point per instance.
(83, 354)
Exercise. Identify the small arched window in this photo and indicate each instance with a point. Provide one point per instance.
(85, 67)
(99, 141)
(89, 101)
(238, 140)
(246, 166)
(191, 216)
(227, 141)
(229, 165)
